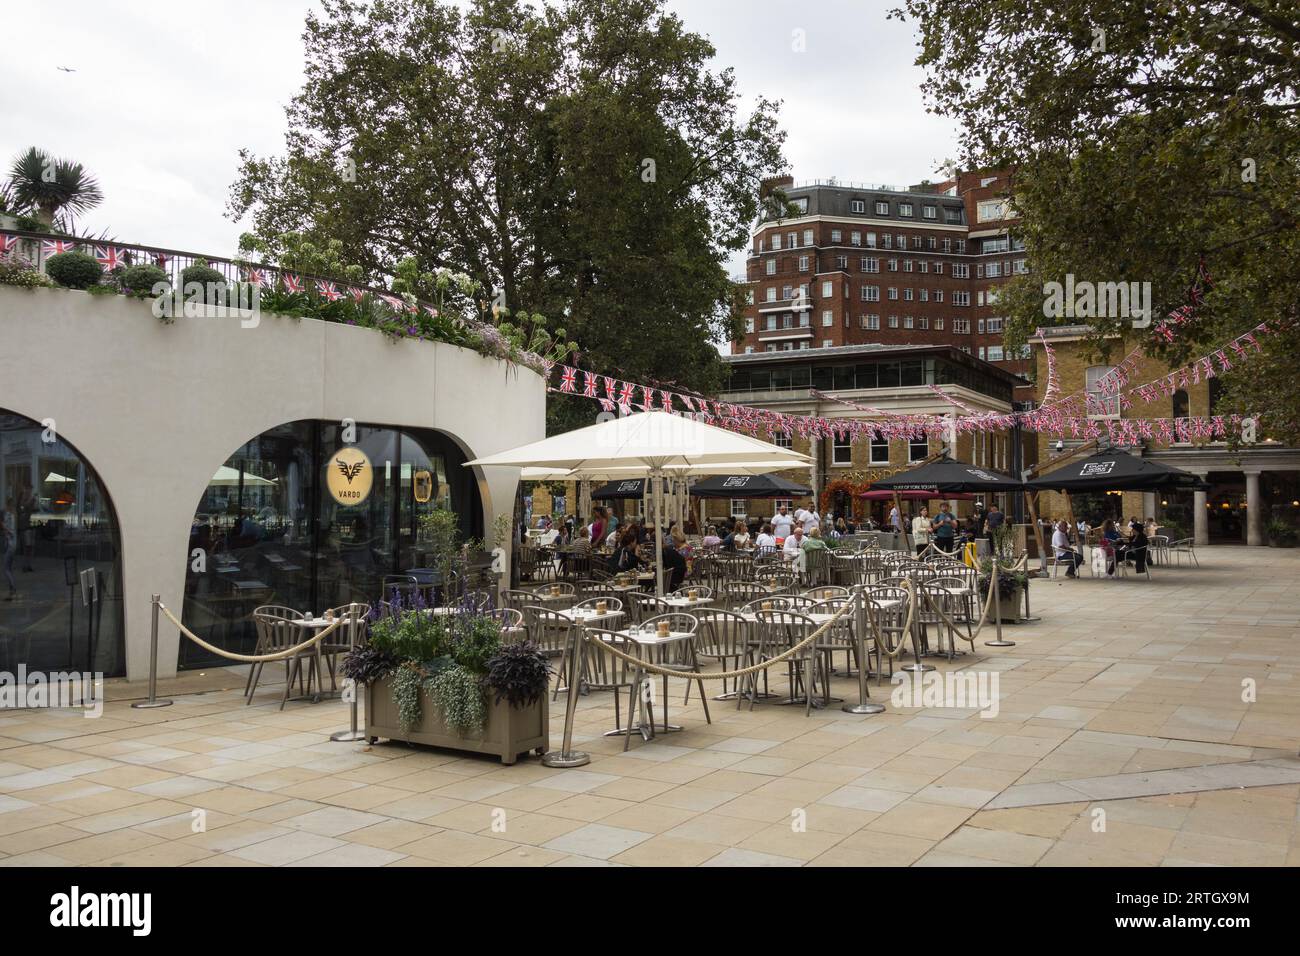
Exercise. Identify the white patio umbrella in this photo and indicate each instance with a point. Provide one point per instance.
(653, 444)
(226, 476)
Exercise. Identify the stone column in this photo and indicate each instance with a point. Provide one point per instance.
(818, 475)
(1200, 522)
(1148, 505)
(1254, 511)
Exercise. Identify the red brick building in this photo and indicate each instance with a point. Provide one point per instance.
(868, 265)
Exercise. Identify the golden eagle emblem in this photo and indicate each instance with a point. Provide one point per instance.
(350, 471)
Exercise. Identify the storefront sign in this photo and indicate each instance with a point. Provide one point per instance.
(349, 476)
(422, 486)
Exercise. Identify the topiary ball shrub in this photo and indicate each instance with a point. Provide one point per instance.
(140, 280)
(73, 270)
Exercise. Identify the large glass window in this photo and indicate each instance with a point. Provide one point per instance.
(277, 524)
(58, 522)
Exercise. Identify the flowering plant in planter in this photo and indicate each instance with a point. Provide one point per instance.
(457, 660)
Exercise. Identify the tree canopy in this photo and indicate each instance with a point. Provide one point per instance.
(582, 161)
(1142, 136)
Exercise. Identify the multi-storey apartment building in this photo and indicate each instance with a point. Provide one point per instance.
(867, 265)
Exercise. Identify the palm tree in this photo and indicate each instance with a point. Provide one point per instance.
(50, 186)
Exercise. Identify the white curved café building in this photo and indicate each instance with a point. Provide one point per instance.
(193, 460)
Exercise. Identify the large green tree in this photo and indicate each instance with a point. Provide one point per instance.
(582, 161)
(1143, 135)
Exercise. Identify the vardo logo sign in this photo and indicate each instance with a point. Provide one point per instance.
(1094, 469)
(349, 476)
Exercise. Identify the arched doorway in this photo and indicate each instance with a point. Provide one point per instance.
(60, 522)
(288, 520)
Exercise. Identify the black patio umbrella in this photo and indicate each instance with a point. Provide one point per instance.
(1115, 470)
(749, 486)
(948, 475)
(626, 488)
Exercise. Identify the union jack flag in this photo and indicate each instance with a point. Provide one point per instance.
(328, 290)
(292, 281)
(52, 247)
(257, 277)
(357, 294)
(667, 400)
(568, 380)
(606, 404)
(589, 386)
(394, 301)
(110, 257)
(609, 386)
(161, 260)
(431, 311)
(8, 242)
(625, 393)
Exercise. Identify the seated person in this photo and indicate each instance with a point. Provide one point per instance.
(812, 541)
(580, 545)
(626, 557)
(1064, 550)
(1138, 550)
(1110, 543)
(740, 539)
(793, 544)
(674, 567)
(765, 541)
(711, 540)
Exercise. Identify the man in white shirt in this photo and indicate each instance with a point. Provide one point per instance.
(811, 519)
(895, 522)
(793, 548)
(782, 523)
(1065, 553)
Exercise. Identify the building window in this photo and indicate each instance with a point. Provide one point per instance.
(801, 204)
(947, 245)
(907, 295)
(871, 240)
(842, 451)
(923, 266)
(785, 292)
(803, 263)
(882, 208)
(828, 289)
(994, 325)
(749, 296)
(991, 210)
(738, 507)
(857, 205)
(893, 321)
(961, 298)
(827, 343)
(749, 324)
(960, 270)
(1181, 404)
(905, 209)
(828, 318)
(907, 265)
(938, 268)
(776, 242)
(782, 440)
(960, 326)
(995, 353)
(871, 293)
(749, 350)
(982, 352)
(771, 293)
(893, 294)
(771, 267)
(807, 237)
(836, 236)
(979, 271)
(918, 449)
(929, 212)
(792, 240)
(1103, 405)
(980, 325)
(893, 265)
(870, 265)
(938, 325)
(769, 323)
(855, 238)
(929, 243)
(924, 322)
(888, 240)
(879, 451)
(925, 295)
(803, 320)
(907, 322)
(961, 245)
(871, 322)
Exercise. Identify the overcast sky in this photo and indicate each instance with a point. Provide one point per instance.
(165, 94)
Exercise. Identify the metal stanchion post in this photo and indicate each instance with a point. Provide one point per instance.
(351, 734)
(153, 700)
(997, 607)
(863, 706)
(565, 757)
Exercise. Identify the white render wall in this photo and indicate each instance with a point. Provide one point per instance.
(155, 409)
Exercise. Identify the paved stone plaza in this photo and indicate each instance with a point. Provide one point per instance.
(1127, 698)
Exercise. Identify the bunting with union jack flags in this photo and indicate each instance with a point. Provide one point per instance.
(256, 277)
(292, 281)
(110, 257)
(328, 290)
(568, 379)
(53, 247)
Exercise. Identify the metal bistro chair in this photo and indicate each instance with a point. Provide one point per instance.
(516, 598)
(278, 633)
(933, 604)
(645, 606)
(351, 633)
(1160, 549)
(1184, 546)
(268, 611)
(782, 630)
(1141, 556)
(817, 566)
(734, 594)
(605, 671)
(550, 632)
(702, 591)
(680, 622)
(512, 624)
(886, 607)
(722, 638)
(402, 586)
(838, 638)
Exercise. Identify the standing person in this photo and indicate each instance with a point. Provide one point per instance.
(8, 548)
(597, 526)
(895, 520)
(782, 523)
(921, 530)
(944, 528)
(811, 519)
(993, 520)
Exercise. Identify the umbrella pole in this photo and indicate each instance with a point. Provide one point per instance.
(902, 523)
(1031, 499)
(657, 494)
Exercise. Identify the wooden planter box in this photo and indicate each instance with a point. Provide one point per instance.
(1011, 609)
(508, 732)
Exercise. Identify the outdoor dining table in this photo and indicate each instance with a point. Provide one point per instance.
(315, 624)
(653, 641)
(685, 603)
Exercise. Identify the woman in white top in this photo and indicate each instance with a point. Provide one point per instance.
(740, 537)
(765, 540)
(921, 530)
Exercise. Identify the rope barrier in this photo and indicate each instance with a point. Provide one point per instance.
(252, 658)
(700, 675)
